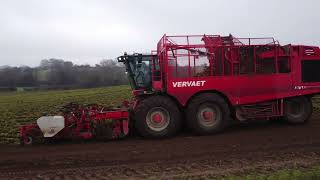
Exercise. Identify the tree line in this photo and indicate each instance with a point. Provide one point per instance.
(57, 73)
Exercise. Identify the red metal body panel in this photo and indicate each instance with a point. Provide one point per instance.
(224, 57)
(120, 114)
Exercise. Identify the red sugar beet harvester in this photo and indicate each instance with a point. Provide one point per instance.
(204, 81)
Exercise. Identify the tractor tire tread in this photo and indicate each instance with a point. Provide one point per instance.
(153, 101)
(205, 98)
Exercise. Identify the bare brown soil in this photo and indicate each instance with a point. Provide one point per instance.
(260, 147)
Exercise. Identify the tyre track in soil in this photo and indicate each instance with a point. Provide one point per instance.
(265, 146)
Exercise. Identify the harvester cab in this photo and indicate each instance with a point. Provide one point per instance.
(138, 69)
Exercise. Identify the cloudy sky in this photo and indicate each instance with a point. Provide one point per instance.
(86, 31)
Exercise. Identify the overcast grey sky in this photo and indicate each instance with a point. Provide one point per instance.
(86, 31)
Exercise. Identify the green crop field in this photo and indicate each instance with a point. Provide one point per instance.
(17, 108)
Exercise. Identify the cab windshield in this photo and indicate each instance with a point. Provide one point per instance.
(138, 69)
(142, 72)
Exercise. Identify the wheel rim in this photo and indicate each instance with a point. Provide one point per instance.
(27, 140)
(208, 116)
(158, 119)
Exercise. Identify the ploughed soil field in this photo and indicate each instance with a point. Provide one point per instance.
(252, 147)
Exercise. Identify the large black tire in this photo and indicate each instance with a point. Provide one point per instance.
(208, 113)
(157, 117)
(297, 110)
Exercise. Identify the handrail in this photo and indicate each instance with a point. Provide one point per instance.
(169, 40)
